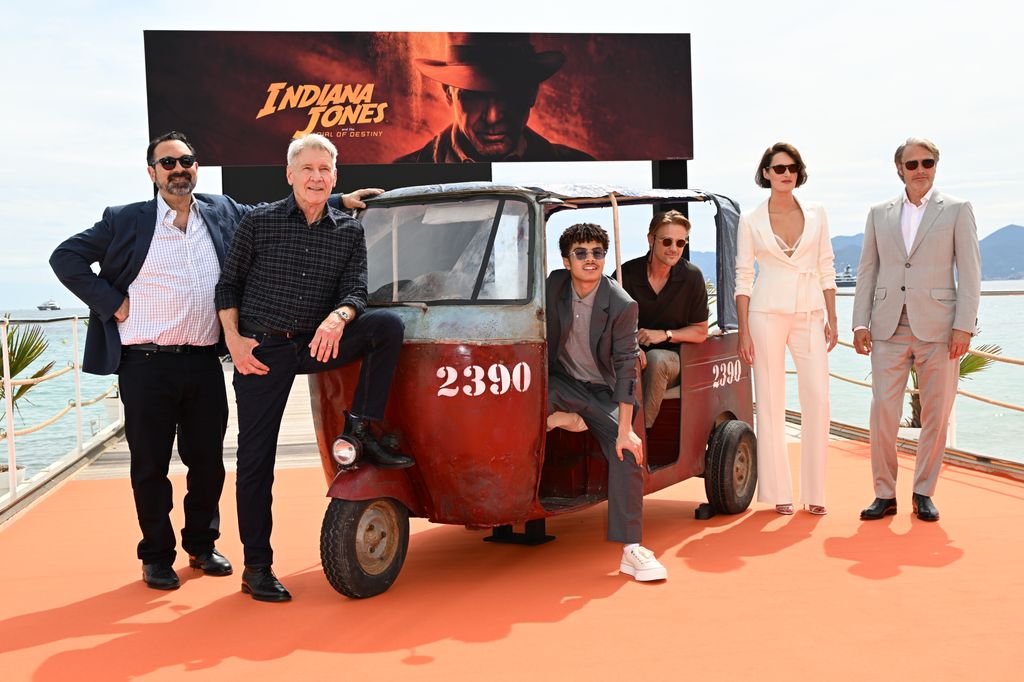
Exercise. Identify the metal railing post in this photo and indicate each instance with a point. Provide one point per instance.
(78, 384)
(12, 464)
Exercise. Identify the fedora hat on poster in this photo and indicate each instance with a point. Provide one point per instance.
(489, 62)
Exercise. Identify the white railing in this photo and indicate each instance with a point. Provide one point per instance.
(17, 488)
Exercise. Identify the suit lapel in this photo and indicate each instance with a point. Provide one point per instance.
(895, 211)
(599, 315)
(145, 224)
(565, 313)
(812, 224)
(763, 224)
(208, 213)
(931, 213)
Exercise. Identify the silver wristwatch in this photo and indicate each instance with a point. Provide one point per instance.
(343, 314)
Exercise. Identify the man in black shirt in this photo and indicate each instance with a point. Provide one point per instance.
(673, 305)
(293, 284)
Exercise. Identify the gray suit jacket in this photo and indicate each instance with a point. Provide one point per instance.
(889, 278)
(612, 332)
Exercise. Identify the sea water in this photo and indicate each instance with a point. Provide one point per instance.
(980, 428)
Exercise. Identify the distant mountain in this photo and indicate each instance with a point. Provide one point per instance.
(1002, 254)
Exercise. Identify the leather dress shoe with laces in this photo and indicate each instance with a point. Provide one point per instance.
(160, 576)
(211, 563)
(263, 585)
(925, 508)
(385, 455)
(881, 507)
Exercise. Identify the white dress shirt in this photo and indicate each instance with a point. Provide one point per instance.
(910, 217)
(171, 302)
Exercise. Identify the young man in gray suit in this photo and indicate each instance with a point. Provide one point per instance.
(592, 372)
(911, 310)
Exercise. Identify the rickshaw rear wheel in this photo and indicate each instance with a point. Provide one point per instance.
(730, 469)
(363, 545)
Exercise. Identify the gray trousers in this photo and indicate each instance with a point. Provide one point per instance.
(661, 374)
(937, 377)
(594, 403)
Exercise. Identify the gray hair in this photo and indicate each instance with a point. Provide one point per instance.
(312, 141)
(920, 142)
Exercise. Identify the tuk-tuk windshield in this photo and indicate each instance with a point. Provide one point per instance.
(448, 252)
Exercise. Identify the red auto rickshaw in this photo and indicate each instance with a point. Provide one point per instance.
(464, 266)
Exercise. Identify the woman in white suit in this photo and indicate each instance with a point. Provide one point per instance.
(791, 303)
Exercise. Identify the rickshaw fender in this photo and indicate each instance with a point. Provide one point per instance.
(369, 483)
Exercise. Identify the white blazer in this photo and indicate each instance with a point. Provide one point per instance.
(785, 284)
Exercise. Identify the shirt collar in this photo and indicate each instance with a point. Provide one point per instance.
(924, 200)
(330, 213)
(162, 207)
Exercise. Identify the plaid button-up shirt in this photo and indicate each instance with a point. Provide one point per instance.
(284, 274)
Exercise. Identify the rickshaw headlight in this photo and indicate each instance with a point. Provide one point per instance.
(345, 451)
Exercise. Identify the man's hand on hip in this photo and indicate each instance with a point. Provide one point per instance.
(327, 338)
(241, 348)
(862, 341)
(959, 344)
(121, 314)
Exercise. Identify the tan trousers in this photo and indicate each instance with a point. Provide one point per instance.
(804, 335)
(937, 377)
(661, 374)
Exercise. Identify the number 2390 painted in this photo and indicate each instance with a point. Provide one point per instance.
(726, 373)
(498, 379)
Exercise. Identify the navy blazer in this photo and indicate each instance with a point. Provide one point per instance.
(612, 332)
(119, 242)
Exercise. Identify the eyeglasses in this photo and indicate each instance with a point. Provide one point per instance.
(581, 254)
(781, 168)
(912, 165)
(668, 241)
(168, 162)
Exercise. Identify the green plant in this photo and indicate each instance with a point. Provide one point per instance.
(970, 364)
(26, 345)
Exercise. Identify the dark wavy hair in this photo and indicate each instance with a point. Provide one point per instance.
(171, 135)
(582, 233)
(766, 160)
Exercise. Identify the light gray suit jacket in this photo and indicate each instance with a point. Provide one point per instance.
(889, 278)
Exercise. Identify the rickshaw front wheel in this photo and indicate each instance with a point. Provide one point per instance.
(730, 469)
(363, 545)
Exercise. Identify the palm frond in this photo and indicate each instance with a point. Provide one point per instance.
(26, 345)
(972, 364)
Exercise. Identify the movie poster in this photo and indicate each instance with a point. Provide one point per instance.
(423, 97)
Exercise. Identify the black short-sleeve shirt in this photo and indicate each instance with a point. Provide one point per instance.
(682, 301)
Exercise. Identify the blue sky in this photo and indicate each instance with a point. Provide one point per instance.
(845, 84)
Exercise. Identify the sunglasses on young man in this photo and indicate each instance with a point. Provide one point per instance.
(781, 168)
(668, 241)
(912, 165)
(169, 162)
(581, 253)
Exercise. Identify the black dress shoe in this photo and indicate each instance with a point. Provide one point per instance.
(384, 455)
(212, 563)
(160, 576)
(925, 508)
(263, 585)
(882, 506)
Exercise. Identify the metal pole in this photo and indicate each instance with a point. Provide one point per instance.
(78, 383)
(618, 249)
(12, 464)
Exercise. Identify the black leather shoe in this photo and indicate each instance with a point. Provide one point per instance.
(882, 506)
(925, 508)
(263, 585)
(211, 563)
(384, 455)
(160, 576)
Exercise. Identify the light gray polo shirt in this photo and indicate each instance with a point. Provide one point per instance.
(576, 356)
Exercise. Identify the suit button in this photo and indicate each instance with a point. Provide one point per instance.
(903, 288)
(908, 265)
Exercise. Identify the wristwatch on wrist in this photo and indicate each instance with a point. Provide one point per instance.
(343, 314)
(668, 333)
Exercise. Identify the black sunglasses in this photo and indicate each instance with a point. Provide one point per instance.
(168, 162)
(667, 242)
(912, 165)
(581, 254)
(781, 168)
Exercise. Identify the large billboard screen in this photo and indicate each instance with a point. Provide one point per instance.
(423, 97)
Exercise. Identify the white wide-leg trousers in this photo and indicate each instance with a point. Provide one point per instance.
(804, 335)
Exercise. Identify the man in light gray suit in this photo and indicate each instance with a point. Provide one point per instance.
(592, 373)
(910, 309)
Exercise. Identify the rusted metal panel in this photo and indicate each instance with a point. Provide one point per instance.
(473, 418)
(474, 323)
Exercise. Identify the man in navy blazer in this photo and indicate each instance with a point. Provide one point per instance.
(152, 320)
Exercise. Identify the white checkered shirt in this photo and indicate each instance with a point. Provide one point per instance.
(171, 301)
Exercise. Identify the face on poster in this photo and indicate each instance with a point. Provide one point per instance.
(404, 97)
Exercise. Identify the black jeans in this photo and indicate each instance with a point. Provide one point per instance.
(166, 394)
(375, 337)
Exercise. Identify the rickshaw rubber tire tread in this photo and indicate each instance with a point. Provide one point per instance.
(719, 463)
(337, 537)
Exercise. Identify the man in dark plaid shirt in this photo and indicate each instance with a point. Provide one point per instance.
(292, 300)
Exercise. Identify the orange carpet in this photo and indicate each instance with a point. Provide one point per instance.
(756, 596)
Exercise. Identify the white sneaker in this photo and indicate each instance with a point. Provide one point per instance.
(640, 563)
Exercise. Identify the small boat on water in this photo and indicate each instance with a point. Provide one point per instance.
(48, 305)
(846, 278)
